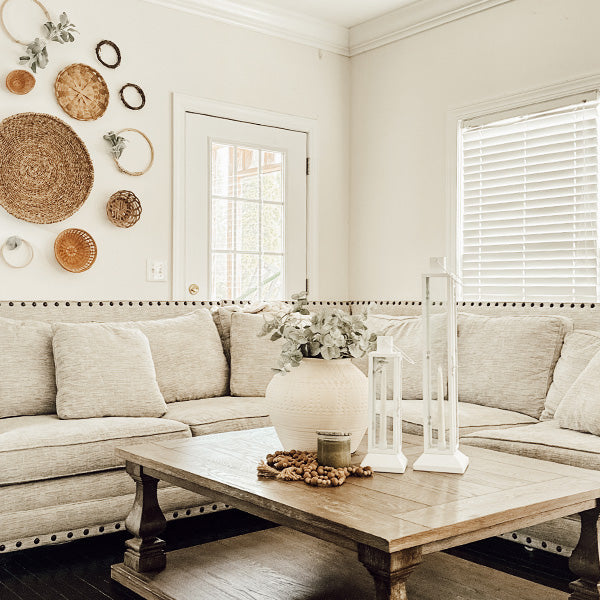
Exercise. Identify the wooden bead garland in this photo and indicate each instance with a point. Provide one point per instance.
(296, 465)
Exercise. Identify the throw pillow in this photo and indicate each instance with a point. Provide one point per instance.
(27, 384)
(580, 409)
(577, 351)
(507, 362)
(104, 371)
(253, 358)
(408, 336)
(188, 355)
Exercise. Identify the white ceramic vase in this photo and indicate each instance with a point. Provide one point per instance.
(318, 395)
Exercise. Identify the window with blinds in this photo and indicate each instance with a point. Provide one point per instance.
(529, 209)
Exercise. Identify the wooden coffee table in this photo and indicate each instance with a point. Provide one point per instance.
(391, 521)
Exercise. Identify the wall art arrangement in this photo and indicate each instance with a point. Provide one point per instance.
(46, 172)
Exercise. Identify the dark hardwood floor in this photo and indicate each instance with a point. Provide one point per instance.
(81, 570)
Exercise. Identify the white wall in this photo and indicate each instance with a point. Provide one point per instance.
(167, 51)
(401, 94)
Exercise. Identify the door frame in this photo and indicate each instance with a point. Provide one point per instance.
(182, 104)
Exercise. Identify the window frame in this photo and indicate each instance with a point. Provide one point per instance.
(529, 101)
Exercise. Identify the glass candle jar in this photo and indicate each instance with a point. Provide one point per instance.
(333, 449)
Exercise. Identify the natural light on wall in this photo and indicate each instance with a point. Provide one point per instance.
(529, 205)
(247, 223)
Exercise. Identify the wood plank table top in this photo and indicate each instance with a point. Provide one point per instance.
(389, 512)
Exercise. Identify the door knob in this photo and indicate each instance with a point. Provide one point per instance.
(193, 289)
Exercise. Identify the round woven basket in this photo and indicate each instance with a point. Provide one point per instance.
(124, 209)
(46, 173)
(20, 82)
(75, 250)
(81, 92)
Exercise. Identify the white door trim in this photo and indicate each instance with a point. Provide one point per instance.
(456, 116)
(183, 104)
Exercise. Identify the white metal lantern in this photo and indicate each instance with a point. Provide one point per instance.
(385, 411)
(441, 453)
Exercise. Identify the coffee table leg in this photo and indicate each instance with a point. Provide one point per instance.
(146, 551)
(390, 571)
(585, 560)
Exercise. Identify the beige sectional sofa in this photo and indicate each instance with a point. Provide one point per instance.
(60, 479)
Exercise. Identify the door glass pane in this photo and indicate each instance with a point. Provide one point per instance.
(247, 221)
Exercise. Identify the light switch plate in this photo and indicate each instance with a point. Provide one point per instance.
(156, 269)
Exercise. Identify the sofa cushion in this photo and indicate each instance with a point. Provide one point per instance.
(471, 417)
(408, 336)
(104, 371)
(507, 362)
(546, 441)
(188, 355)
(580, 408)
(578, 349)
(253, 358)
(44, 446)
(218, 415)
(27, 384)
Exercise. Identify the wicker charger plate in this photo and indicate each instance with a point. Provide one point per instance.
(81, 92)
(75, 250)
(46, 173)
(124, 209)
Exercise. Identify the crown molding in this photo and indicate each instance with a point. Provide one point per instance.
(257, 15)
(264, 18)
(409, 20)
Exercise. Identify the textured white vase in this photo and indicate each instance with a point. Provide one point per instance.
(318, 395)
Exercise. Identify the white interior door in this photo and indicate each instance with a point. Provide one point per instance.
(245, 210)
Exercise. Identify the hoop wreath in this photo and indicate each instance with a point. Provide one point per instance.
(114, 47)
(139, 90)
(150, 163)
(12, 243)
(3, 24)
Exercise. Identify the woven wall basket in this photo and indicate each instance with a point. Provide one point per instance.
(81, 92)
(75, 250)
(46, 173)
(124, 209)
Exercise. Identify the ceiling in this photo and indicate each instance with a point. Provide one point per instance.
(346, 13)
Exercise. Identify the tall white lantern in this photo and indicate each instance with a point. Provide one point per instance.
(385, 410)
(441, 453)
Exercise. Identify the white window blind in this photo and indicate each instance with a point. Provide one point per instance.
(529, 210)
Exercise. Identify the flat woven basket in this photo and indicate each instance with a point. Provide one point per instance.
(81, 92)
(46, 173)
(124, 209)
(75, 250)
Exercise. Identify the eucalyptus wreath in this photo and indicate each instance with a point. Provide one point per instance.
(328, 333)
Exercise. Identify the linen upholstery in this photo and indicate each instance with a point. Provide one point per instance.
(187, 354)
(580, 408)
(104, 371)
(408, 336)
(578, 349)
(253, 358)
(40, 447)
(471, 417)
(27, 384)
(218, 415)
(82, 501)
(507, 362)
(546, 441)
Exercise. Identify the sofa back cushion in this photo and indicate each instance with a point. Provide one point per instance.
(188, 355)
(508, 362)
(253, 358)
(27, 383)
(580, 407)
(104, 371)
(578, 349)
(408, 336)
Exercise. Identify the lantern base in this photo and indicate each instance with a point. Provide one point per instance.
(442, 463)
(385, 463)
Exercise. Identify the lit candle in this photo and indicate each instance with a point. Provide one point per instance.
(441, 411)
